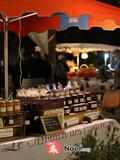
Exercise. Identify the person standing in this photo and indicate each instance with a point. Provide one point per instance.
(117, 69)
(61, 70)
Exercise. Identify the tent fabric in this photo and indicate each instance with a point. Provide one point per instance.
(57, 22)
(96, 9)
(107, 24)
(80, 22)
(83, 14)
(33, 24)
(70, 7)
(86, 22)
(84, 47)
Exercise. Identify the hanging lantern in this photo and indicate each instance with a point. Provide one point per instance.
(84, 55)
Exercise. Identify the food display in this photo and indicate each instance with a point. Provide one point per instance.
(11, 119)
(69, 103)
(27, 114)
(92, 104)
(9, 106)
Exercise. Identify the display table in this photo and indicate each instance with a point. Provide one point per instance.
(33, 148)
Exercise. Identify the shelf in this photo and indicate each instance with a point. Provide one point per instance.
(11, 114)
(13, 138)
(17, 127)
(14, 126)
(80, 113)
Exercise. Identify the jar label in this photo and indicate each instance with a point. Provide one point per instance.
(81, 108)
(81, 99)
(76, 109)
(98, 97)
(11, 121)
(27, 122)
(67, 111)
(84, 107)
(75, 100)
(10, 109)
(2, 109)
(94, 106)
(88, 98)
(69, 101)
(17, 107)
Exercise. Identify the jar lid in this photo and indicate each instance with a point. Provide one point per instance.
(93, 101)
(81, 94)
(66, 107)
(9, 102)
(16, 100)
(87, 92)
(2, 102)
(82, 104)
(74, 95)
(67, 96)
(75, 105)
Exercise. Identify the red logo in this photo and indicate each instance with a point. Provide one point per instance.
(53, 148)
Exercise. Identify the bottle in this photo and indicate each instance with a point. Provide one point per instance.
(36, 124)
(10, 98)
(2, 107)
(17, 105)
(27, 123)
(11, 121)
(35, 121)
(9, 107)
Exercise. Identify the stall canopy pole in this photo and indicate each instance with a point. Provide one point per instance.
(6, 57)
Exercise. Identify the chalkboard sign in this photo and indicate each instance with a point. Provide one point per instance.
(51, 123)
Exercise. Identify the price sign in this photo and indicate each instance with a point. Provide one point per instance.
(51, 124)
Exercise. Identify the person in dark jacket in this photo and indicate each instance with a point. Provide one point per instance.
(117, 69)
(61, 71)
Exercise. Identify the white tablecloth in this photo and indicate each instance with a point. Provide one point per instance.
(33, 148)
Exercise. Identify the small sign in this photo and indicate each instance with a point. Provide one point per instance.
(73, 20)
(51, 124)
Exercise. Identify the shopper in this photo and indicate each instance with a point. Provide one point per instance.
(61, 70)
(117, 69)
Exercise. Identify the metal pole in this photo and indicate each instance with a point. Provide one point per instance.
(6, 57)
(78, 61)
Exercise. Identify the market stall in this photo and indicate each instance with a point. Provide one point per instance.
(55, 111)
(44, 110)
(91, 64)
(48, 8)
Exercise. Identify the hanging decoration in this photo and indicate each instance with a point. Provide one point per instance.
(84, 55)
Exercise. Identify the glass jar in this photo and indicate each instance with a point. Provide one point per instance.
(82, 107)
(67, 110)
(9, 107)
(75, 99)
(11, 121)
(81, 98)
(27, 123)
(92, 105)
(88, 96)
(2, 107)
(17, 105)
(68, 100)
(75, 108)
